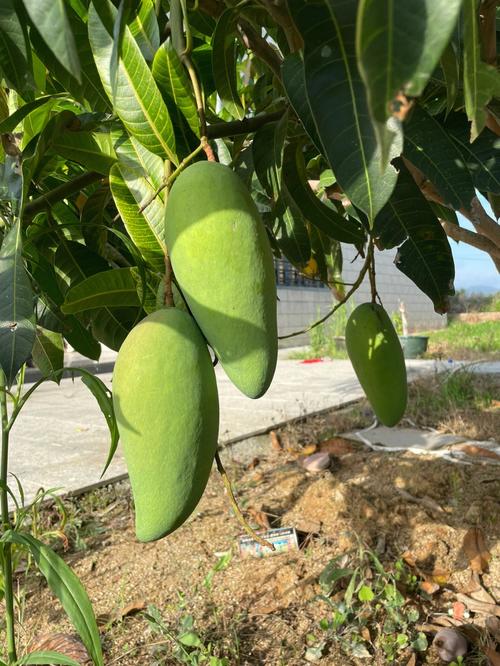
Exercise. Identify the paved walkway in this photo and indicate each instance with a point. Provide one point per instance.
(60, 440)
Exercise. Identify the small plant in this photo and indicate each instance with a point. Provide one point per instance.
(397, 321)
(370, 614)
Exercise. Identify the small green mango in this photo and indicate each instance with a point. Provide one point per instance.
(377, 358)
(224, 266)
(167, 410)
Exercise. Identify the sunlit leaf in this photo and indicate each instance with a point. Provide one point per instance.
(114, 288)
(224, 63)
(48, 353)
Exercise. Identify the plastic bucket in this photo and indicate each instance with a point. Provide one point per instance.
(413, 345)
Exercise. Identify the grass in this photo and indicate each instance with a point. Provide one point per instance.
(461, 340)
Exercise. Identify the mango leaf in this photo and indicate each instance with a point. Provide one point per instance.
(46, 657)
(93, 219)
(294, 82)
(49, 19)
(10, 123)
(326, 219)
(74, 262)
(481, 81)
(424, 254)
(337, 99)
(136, 98)
(482, 156)
(67, 588)
(93, 150)
(114, 288)
(15, 53)
(173, 82)
(224, 63)
(111, 327)
(144, 29)
(134, 182)
(103, 396)
(291, 231)
(48, 353)
(398, 45)
(267, 153)
(90, 91)
(432, 150)
(451, 71)
(81, 339)
(17, 326)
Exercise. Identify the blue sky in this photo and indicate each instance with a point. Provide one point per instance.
(473, 268)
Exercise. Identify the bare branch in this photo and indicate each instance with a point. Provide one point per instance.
(254, 42)
(483, 223)
(475, 240)
(279, 12)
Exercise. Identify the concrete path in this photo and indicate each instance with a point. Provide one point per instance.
(60, 440)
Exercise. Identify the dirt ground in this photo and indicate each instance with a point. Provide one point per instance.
(418, 537)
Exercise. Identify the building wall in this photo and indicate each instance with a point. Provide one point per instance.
(299, 306)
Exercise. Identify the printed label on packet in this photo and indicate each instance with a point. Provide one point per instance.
(282, 538)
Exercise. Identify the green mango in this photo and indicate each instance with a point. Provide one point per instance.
(377, 358)
(224, 266)
(167, 410)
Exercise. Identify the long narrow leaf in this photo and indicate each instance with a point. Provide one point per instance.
(15, 53)
(17, 326)
(295, 86)
(114, 288)
(46, 657)
(67, 588)
(224, 63)
(136, 98)
(48, 353)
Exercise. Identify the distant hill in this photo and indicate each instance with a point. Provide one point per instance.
(481, 289)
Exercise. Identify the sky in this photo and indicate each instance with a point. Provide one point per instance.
(473, 268)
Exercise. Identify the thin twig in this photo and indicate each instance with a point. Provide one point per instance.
(351, 291)
(61, 192)
(236, 508)
(371, 272)
(168, 297)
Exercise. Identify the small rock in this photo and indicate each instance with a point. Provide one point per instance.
(450, 644)
(318, 462)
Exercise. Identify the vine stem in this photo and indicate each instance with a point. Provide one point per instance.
(6, 547)
(351, 291)
(371, 272)
(237, 511)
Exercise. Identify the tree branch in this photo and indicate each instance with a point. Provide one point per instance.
(245, 126)
(61, 192)
(483, 223)
(487, 26)
(475, 240)
(262, 48)
(279, 12)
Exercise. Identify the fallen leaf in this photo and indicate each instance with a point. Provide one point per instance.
(474, 547)
(493, 656)
(339, 446)
(458, 610)
(275, 441)
(258, 517)
(365, 633)
(477, 451)
(67, 644)
(412, 661)
(492, 624)
(429, 587)
(255, 462)
(131, 608)
(409, 558)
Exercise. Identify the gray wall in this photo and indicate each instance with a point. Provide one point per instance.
(299, 306)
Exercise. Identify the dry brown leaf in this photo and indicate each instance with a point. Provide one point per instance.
(365, 633)
(429, 587)
(409, 558)
(130, 609)
(477, 451)
(412, 661)
(339, 446)
(492, 624)
(255, 462)
(275, 441)
(479, 606)
(68, 644)
(475, 549)
(493, 656)
(258, 517)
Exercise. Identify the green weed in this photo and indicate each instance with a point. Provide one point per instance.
(465, 340)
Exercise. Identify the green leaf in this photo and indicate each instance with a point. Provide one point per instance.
(482, 156)
(114, 288)
(46, 657)
(430, 148)
(291, 231)
(48, 353)
(111, 327)
(15, 53)
(67, 588)
(366, 593)
(136, 98)
(224, 63)
(144, 29)
(267, 153)
(173, 82)
(74, 262)
(93, 219)
(424, 254)
(326, 219)
(49, 19)
(81, 339)
(17, 327)
(294, 82)
(104, 399)
(337, 99)
(10, 123)
(191, 639)
(90, 91)
(134, 181)
(398, 44)
(93, 150)
(481, 81)
(451, 72)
